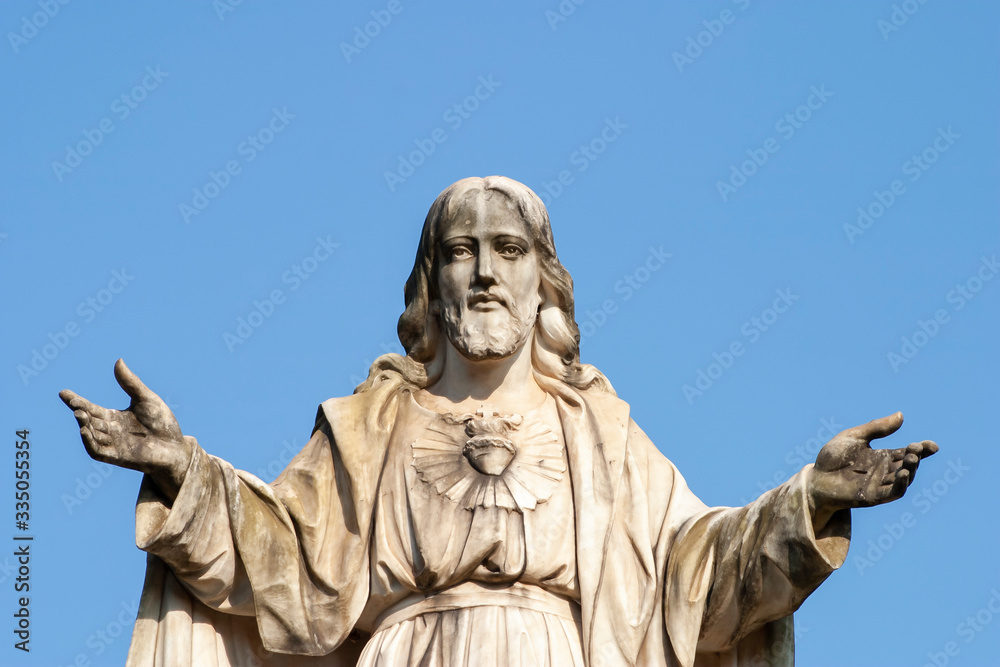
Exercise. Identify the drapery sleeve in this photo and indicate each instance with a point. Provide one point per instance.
(192, 536)
(291, 554)
(736, 572)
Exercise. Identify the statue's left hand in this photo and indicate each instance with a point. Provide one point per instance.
(849, 473)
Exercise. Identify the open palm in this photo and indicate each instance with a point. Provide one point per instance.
(849, 473)
(145, 436)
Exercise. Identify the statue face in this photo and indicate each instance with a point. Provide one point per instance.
(489, 283)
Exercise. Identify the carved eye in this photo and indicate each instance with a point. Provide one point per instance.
(511, 250)
(459, 252)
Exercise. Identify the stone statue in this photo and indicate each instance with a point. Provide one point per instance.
(483, 500)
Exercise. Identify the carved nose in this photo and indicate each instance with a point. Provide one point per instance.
(484, 270)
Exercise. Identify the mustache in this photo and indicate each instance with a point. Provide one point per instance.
(497, 295)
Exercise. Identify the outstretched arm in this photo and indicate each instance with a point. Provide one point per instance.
(289, 553)
(144, 437)
(733, 569)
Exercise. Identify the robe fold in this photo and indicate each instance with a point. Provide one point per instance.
(245, 573)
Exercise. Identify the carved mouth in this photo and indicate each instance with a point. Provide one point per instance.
(486, 297)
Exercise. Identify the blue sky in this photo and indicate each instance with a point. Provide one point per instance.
(812, 185)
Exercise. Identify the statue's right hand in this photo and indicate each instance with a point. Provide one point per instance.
(144, 437)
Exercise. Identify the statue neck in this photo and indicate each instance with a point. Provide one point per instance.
(464, 384)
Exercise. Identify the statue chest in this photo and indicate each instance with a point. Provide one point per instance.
(483, 496)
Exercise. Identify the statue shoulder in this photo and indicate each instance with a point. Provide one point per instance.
(614, 416)
(366, 416)
(607, 407)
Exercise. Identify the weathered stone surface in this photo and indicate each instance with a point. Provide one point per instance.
(485, 499)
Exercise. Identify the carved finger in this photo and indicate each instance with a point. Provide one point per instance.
(86, 431)
(899, 486)
(100, 425)
(87, 435)
(927, 448)
(79, 403)
(100, 412)
(101, 438)
(68, 397)
(131, 383)
(75, 401)
(878, 428)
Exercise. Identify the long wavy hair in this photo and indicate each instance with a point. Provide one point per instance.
(555, 351)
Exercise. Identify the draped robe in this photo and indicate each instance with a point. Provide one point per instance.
(244, 573)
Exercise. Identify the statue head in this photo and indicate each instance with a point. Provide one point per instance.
(485, 283)
(489, 304)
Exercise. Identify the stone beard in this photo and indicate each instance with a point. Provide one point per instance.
(490, 334)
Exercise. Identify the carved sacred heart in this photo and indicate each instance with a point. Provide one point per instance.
(489, 454)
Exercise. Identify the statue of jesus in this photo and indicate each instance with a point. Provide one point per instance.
(483, 500)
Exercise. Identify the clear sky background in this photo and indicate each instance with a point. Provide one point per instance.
(739, 138)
